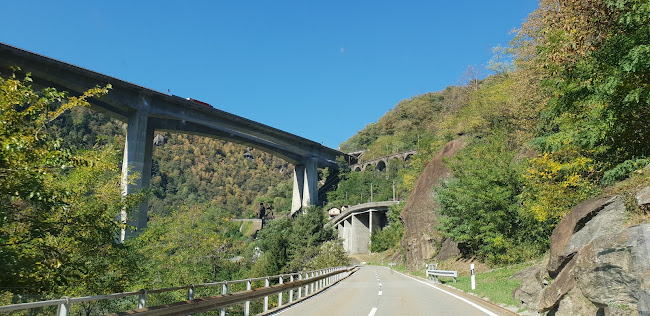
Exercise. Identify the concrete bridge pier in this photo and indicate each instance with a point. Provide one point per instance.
(136, 165)
(357, 223)
(344, 227)
(305, 185)
(360, 234)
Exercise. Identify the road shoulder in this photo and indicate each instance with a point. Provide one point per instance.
(494, 308)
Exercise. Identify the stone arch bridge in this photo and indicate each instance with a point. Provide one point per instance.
(382, 163)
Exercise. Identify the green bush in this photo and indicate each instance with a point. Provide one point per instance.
(623, 170)
(391, 235)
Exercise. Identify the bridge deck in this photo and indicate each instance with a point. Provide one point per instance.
(360, 208)
(166, 112)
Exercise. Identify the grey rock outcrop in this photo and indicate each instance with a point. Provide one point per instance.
(531, 287)
(448, 249)
(420, 219)
(597, 266)
(643, 197)
(615, 270)
(580, 226)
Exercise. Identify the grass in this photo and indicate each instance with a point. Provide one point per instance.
(496, 285)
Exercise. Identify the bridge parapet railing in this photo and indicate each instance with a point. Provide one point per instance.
(297, 286)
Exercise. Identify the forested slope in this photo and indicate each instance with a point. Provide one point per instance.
(60, 170)
(563, 115)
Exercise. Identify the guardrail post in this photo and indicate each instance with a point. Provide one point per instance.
(312, 284)
(64, 308)
(142, 299)
(280, 294)
(300, 287)
(224, 291)
(266, 298)
(329, 279)
(190, 292)
(319, 284)
(247, 305)
(291, 291)
(306, 285)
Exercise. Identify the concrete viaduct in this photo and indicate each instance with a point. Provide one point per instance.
(381, 163)
(146, 111)
(356, 224)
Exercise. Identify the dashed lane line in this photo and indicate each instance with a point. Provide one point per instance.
(373, 311)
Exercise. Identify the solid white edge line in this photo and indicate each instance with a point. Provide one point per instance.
(373, 311)
(452, 294)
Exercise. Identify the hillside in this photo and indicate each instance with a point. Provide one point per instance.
(553, 144)
(560, 124)
(186, 169)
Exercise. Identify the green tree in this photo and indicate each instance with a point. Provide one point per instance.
(57, 205)
(194, 245)
(480, 207)
(291, 245)
(391, 235)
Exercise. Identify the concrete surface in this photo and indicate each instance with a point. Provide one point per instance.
(377, 291)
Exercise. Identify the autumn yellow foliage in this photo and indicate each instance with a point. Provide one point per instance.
(553, 182)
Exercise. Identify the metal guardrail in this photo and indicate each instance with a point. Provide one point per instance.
(312, 282)
(433, 273)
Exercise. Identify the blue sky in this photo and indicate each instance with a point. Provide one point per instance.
(321, 70)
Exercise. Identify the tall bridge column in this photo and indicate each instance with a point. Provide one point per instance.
(310, 192)
(305, 185)
(298, 187)
(347, 227)
(136, 165)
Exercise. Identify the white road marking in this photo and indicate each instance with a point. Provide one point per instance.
(379, 292)
(373, 311)
(452, 294)
(379, 284)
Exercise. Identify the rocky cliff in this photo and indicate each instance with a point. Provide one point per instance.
(597, 264)
(420, 236)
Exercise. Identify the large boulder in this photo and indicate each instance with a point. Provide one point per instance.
(419, 216)
(596, 266)
(560, 286)
(614, 271)
(531, 287)
(573, 303)
(585, 222)
(643, 197)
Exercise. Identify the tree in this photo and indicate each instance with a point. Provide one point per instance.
(480, 207)
(192, 246)
(291, 245)
(57, 205)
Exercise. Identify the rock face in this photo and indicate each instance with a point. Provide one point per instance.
(420, 236)
(531, 287)
(597, 266)
(571, 233)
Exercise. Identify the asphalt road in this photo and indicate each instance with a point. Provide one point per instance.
(377, 291)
